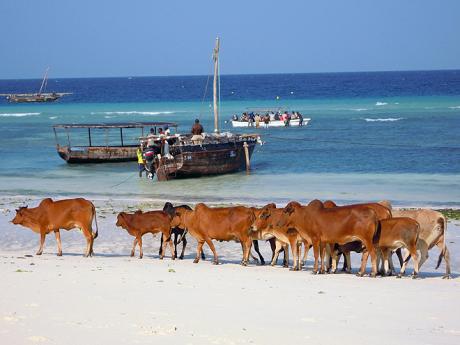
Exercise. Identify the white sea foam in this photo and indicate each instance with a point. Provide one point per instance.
(108, 117)
(17, 114)
(386, 119)
(53, 117)
(131, 112)
(456, 107)
(359, 109)
(380, 103)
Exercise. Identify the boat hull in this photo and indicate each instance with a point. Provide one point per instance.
(97, 154)
(197, 161)
(278, 123)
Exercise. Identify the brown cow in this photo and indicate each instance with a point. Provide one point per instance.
(139, 223)
(395, 233)
(433, 229)
(221, 223)
(62, 214)
(265, 225)
(325, 226)
(381, 212)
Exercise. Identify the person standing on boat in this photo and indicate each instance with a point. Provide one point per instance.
(299, 115)
(167, 130)
(257, 118)
(141, 161)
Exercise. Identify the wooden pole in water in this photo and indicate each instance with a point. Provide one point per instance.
(216, 71)
(246, 154)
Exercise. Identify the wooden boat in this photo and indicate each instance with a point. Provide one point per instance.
(41, 96)
(217, 153)
(109, 146)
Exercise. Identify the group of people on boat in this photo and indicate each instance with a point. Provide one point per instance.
(156, 146)
(255, 119)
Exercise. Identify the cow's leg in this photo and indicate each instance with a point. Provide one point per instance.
(373, 254)
(273, 245)
(134, 247)
(295, 253)
(385, 253)
(175, 244)
(362, 269)
(160, 251)
(199, 249)
(406, 258)
(139, 242)
(322, 248)
(299, 252)
(328, 258)
(413, 252)
(89, 241)
(213, 249)
(335, 256)
(171, 246)
(184, 244)
(285, 251)
(347, 262)
(276, 252)
(57, 234)
(305, 253)
(440, 245)
(316, 255)
(42, 242)
(256, 248)
(247, 243)
(392, 266)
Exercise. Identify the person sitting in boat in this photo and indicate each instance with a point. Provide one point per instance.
(294, 115)
(266, 120)
(276, 117)
(235, 117)
(251, 119)
(286, 118)
(167, 130)
(272, 116)
(244, 117)
(197, 131)
(257, 118)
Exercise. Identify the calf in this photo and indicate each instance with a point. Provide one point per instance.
(62, 214)
(221, 223)
(139, 223)
(265, 226)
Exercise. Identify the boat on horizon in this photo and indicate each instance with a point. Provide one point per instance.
(39, 97)
(274, 118)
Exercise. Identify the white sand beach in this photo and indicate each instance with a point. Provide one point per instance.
(112, 298)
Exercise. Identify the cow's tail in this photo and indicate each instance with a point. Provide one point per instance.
(444, 246)
(95, 221)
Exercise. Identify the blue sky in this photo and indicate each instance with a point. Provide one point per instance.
(146, 37)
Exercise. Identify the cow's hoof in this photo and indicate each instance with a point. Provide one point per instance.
(132, 255)
(244, 263)
(399, 276)
(373, 275)
(181, 257)
(59, 254)
(446, 276)
(286, 266)
(414, 276)
(360, 274)
(314, 272)
(215, 262)
(38, 253)
(262, 262)
(161, 257)
(196, 260)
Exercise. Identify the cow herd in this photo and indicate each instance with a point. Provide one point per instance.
(372, 229)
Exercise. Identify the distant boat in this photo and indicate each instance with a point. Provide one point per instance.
(242, 122)
(40, 97)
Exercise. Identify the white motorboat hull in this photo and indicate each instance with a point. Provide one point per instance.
(279, 123)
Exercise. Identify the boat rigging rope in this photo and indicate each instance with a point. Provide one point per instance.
(204, 96)
(126, 179)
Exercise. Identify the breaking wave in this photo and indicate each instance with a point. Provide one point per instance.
(131, 112)
(17, 114)
(53, 117)
(386, 119)
(380, 103)
(359, 109)
(456, 107)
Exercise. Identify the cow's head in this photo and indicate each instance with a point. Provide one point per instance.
(263, 217)
(25, 217)
(121, 220)
(20, 215)
(178, 217)
(288, 214)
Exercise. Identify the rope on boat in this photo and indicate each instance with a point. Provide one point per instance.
(126, 179)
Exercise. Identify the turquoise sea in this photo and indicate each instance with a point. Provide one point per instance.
(372, 136)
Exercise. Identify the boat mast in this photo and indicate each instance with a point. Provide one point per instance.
(216, 71)
(44, 81)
